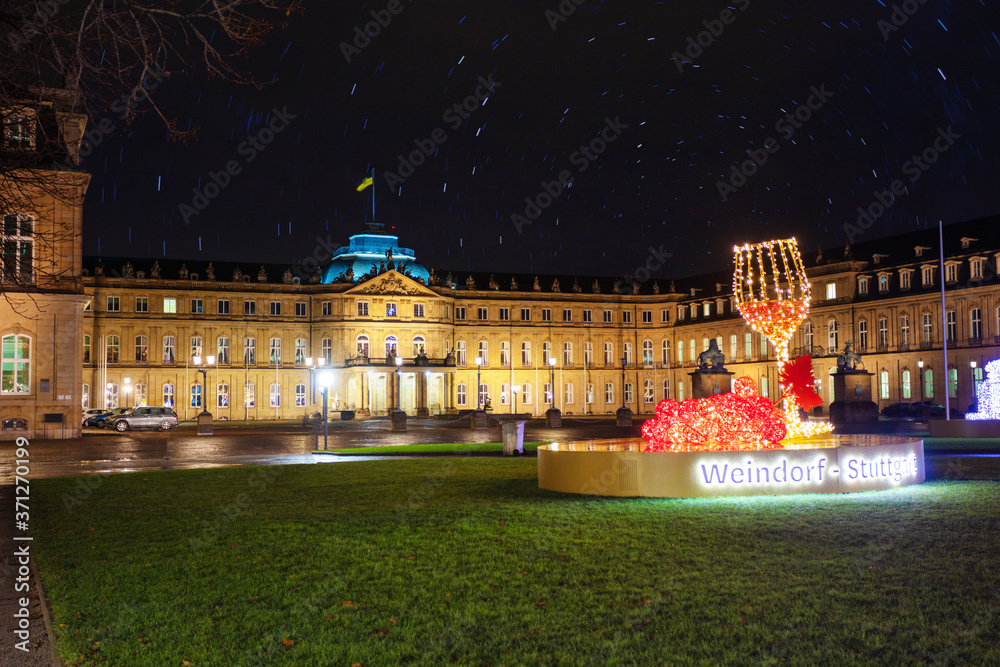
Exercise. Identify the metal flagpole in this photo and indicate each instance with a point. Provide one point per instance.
(373, 194)
(944, 326)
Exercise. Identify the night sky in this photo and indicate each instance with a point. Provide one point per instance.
(887, 93)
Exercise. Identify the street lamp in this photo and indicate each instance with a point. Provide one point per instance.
(479, 393)
(552, 380)
(128, 385)
(209, 361)
(516, 389)
(325, 380)
(624, 362)
(312, 376)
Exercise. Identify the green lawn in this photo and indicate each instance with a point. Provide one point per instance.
(466, 561)
(945, 445)
(434, 448)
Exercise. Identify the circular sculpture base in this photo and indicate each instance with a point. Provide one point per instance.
(830, 464)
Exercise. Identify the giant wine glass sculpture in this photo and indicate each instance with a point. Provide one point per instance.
(773, 295)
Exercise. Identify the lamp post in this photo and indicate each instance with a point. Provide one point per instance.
(553, 416)
(479, 393)
(325, 380)
(624, 414)
(128, 385)
(209, 361)
(312, 376)
(399, 384)
(516, 389)
(925, 410)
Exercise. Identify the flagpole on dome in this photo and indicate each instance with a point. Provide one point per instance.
(369, 182)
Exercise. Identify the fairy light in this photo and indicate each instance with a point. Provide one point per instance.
(988, 394)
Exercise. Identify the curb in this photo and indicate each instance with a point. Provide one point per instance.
(46, 615)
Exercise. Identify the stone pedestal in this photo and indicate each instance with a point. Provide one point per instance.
(852, 398)
(205, 421)
(624, 416)
(513, 437)
(553, 418)
(423, 412)
(478, 419)
(707, 383)
(398, 420)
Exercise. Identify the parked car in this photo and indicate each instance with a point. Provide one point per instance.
(898, 410)
(145, 418)
(101, 420)
(88, 414)
(936, 410)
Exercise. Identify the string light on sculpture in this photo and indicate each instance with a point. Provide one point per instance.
(988, 395)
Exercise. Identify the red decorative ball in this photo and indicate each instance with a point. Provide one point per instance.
(744, 387)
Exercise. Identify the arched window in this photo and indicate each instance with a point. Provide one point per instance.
(113, 349)
(904, 330)
(647, 353)
(692, 352)
(907, 392)
(526, 354)
(86, 397)
(168, 395)
(391, 346)
(300, 351)
(833, 337)
(647, 391)
(567, 354)
(680, 352)
(807, 336)
(249, 351)
(300, 395)
(665, 352)
(953, 382)
(275, 395)
(141, 350)
(275, 351)
(883, 385)
(222, 350)
(504, 394)
(111, 395)
(326, 348)
(763, 386)
(363, 346)
(15, 364)
(419, 346)
(196, 346)
(196, 396)
(460, 353)
(223, 395)
(666, 389)
(928, 383)
(141, 392)
(862, 335)
(505, 353)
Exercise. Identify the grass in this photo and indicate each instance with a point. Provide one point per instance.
(433, 448)
(466, 561)
(977, 445)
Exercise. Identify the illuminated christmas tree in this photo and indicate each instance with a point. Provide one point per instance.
(988, 395)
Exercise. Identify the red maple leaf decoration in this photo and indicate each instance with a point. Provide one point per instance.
(799, 383)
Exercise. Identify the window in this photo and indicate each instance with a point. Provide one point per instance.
(390, 309)
(763, 386)
(747, 346)
(976, 328)
(883, 283)
(546, 315)
(300, 395)
(951, 325)
(197, 308)
(928, 383)
(831, 290)
(275, 395)
(249, 396)
(904, 280)
(628, 354)
(391, 346)
(546, 353)
(927, 328)
(113, 304)
(928, 276)
(504, 353)
(906, 385)
(249, 307)
(462, 398)
(526, 393)
(680, 313)
(85, 397)
(607, 317)
(505, 314)
(807, 336)
(249, 351)
(141, 350)
(548, 392)
(951, 273)
(647, 316)
(460, 313)
(86, 349)
(141, 304)
(692, 352)
(567, 315)
(976, 267)
(763, 346)
(609, 354)
(168, 395)
(977, 379)
(196, 347)
(460, 353)
(904, 330)
(734, 346)
(863, 335)
(222, 350)
(169, 350)
(223, 306)
(419, 346)
(362, 309)
(883, 385)
(504, 394)
(526, 314)
(300, 351)
(588, 354)
(568, 392)
(833, 336)
(196, 396)
(665, 352)
(275, 309)
(326, 308)
(362, 346)
(484, 352)
(112, 348)
(628, 392)
(626, 317)
(19, 129)
(484, 393)
(862, 286)
(483, 314)
(680, 352)
(609, 392)
(418, 310)
(567, 354)
(953, 382)
(17, 260)
(300, 309)
(15, 364)
(111, 395)
(647, 391)
(666, 389)
(588, 316)
(680, 390)
(326, 350)
(647, 353)
(664, 317)
(222, 396)
(883, 332)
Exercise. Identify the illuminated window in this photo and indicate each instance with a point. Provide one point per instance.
(169, 350)
(275, 357)
(928, 383)
(300, 395)
(15, 364)
(526, 354)
(907, 393)
(419, 345)
(883, 385)
(112, 349)
(831, 290)
(196, 396)
(249, 351)
(275, 395)
(222, 396)
(953, 382)
(168, 395)
(18, 240)
(462, 396)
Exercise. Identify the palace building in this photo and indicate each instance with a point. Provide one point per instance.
(385, 331)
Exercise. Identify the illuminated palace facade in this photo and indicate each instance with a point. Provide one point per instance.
(147, 322)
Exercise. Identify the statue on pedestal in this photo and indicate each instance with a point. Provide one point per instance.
(848, 360)
(712, 355)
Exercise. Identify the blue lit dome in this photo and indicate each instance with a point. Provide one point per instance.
(368, 249)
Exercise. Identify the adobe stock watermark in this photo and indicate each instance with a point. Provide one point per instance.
(654, 262)
(901, 13)
(248, 148)
(581, 159)
(713, 30)
(454, 116)
(788, 125)
(914, 168)
(44, 12)
(364, 36)
(565, 9)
